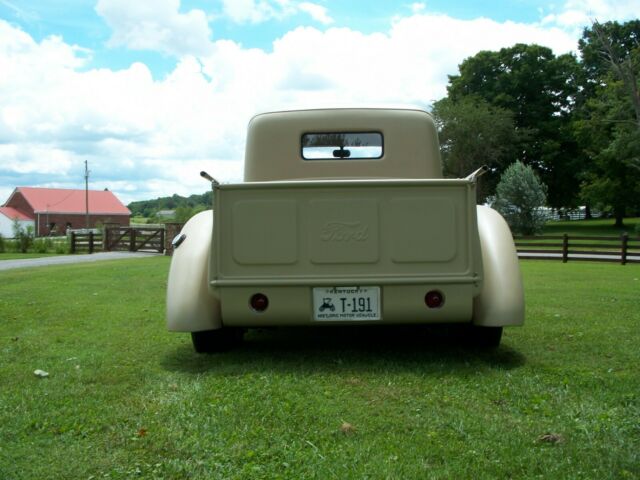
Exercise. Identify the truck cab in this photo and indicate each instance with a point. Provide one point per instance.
(343, 218)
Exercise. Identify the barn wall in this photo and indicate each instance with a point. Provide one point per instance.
(64, 221)
(19, 203)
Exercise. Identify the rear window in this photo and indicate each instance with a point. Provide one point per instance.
(342, 146)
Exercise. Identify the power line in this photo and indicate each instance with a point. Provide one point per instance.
(86, 193)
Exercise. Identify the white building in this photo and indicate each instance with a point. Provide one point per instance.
(7, 217)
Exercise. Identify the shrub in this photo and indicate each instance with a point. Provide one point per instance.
(519, 197)
(63, 246)
(2, 244)
(43, 245)
(39, 246)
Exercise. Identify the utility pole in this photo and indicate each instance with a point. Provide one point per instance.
(86, 193)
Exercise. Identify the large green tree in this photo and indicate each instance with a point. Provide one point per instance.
(609, 123)
(539, 89)
(474, 133)
(612, 50)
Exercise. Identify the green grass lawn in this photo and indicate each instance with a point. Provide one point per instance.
(597, 227)
(126, 399)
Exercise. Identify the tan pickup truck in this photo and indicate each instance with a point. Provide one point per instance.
(343, 218)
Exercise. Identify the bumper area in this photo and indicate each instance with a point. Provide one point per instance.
(293, 305)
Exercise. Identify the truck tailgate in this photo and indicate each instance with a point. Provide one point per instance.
(345, 233)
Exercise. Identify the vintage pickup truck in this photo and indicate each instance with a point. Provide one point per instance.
(343, 218)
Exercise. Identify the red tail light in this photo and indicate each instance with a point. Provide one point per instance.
(434, 299)
(259, 302)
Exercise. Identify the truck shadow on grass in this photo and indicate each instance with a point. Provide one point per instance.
(348, 349)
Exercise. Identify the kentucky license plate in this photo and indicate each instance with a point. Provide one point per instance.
(346, 303)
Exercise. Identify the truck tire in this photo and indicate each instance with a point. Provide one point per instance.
(220, 340)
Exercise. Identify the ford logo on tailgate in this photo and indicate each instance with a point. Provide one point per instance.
(344, 232)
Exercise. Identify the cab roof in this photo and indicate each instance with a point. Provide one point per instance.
(277, 142)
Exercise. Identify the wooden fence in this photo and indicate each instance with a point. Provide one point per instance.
(623, 249)
(85, 242)
(138, 239)
(152, 239)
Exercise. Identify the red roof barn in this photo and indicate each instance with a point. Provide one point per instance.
(56, 209)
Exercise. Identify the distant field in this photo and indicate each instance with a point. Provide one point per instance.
(125, 399)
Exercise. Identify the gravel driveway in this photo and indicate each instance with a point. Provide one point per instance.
(67, 259)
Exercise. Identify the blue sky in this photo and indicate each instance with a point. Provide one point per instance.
(150, 93)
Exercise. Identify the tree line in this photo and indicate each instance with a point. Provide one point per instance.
(183, 207)
(574, 121)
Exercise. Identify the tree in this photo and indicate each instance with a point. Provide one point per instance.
(613, 48)
(609, 123)
(473, 133)
(519, 197)
(23, 236)
(615, 178)
(540, 90)
(148, 208)
(184, 213)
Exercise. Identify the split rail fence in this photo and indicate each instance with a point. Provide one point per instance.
(623, 249)
(86, 242)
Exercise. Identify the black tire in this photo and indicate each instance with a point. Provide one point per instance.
(485, 337)
(212, 341)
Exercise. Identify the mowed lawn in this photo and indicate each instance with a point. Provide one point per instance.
(125, 399)
(604, 227)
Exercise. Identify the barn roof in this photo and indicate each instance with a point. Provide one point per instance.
(12, 213)
(61, 200)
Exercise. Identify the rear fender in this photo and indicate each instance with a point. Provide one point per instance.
(190, 305)
(501, 300)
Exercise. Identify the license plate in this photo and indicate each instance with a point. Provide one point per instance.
(346, 303)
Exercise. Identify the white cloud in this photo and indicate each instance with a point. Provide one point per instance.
(132, 129)
(317, 12)
(418, 7)
(409, 64)
(35, 158)
(574, 15)
(258, 11)
(156, 25)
